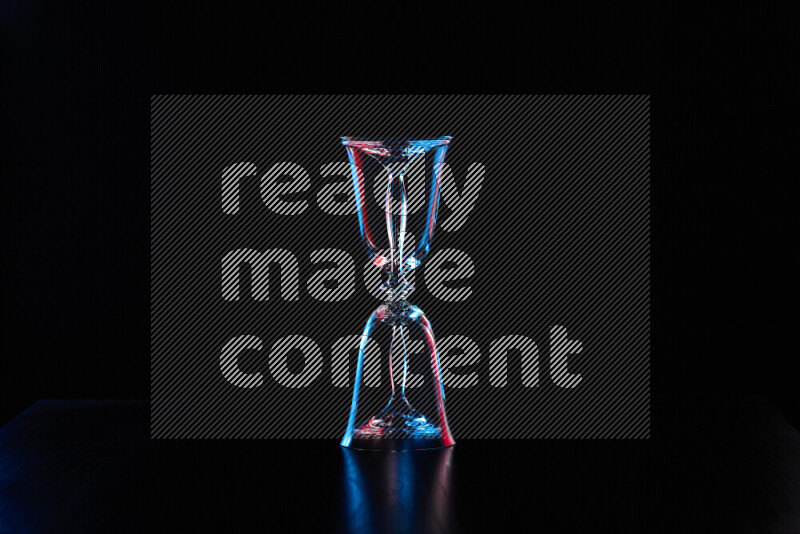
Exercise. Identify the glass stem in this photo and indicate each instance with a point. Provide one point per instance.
(396, 217)
(405, 363)
(396, 350)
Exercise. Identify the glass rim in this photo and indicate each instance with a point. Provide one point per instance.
(368, 142)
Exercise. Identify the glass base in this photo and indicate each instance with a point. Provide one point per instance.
(399, 427)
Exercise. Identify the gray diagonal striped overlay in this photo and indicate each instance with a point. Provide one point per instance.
(537, 283)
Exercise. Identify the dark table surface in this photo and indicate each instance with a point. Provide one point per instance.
(724, 465)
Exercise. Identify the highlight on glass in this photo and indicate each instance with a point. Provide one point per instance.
(397, 185)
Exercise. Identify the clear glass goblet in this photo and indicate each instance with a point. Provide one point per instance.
(397, 185)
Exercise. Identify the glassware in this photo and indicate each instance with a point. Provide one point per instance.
(406, 178)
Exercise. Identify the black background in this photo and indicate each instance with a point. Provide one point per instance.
(77, 82)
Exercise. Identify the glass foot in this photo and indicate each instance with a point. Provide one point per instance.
(398, 427)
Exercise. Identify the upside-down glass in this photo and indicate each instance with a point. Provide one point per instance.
(397, 182)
